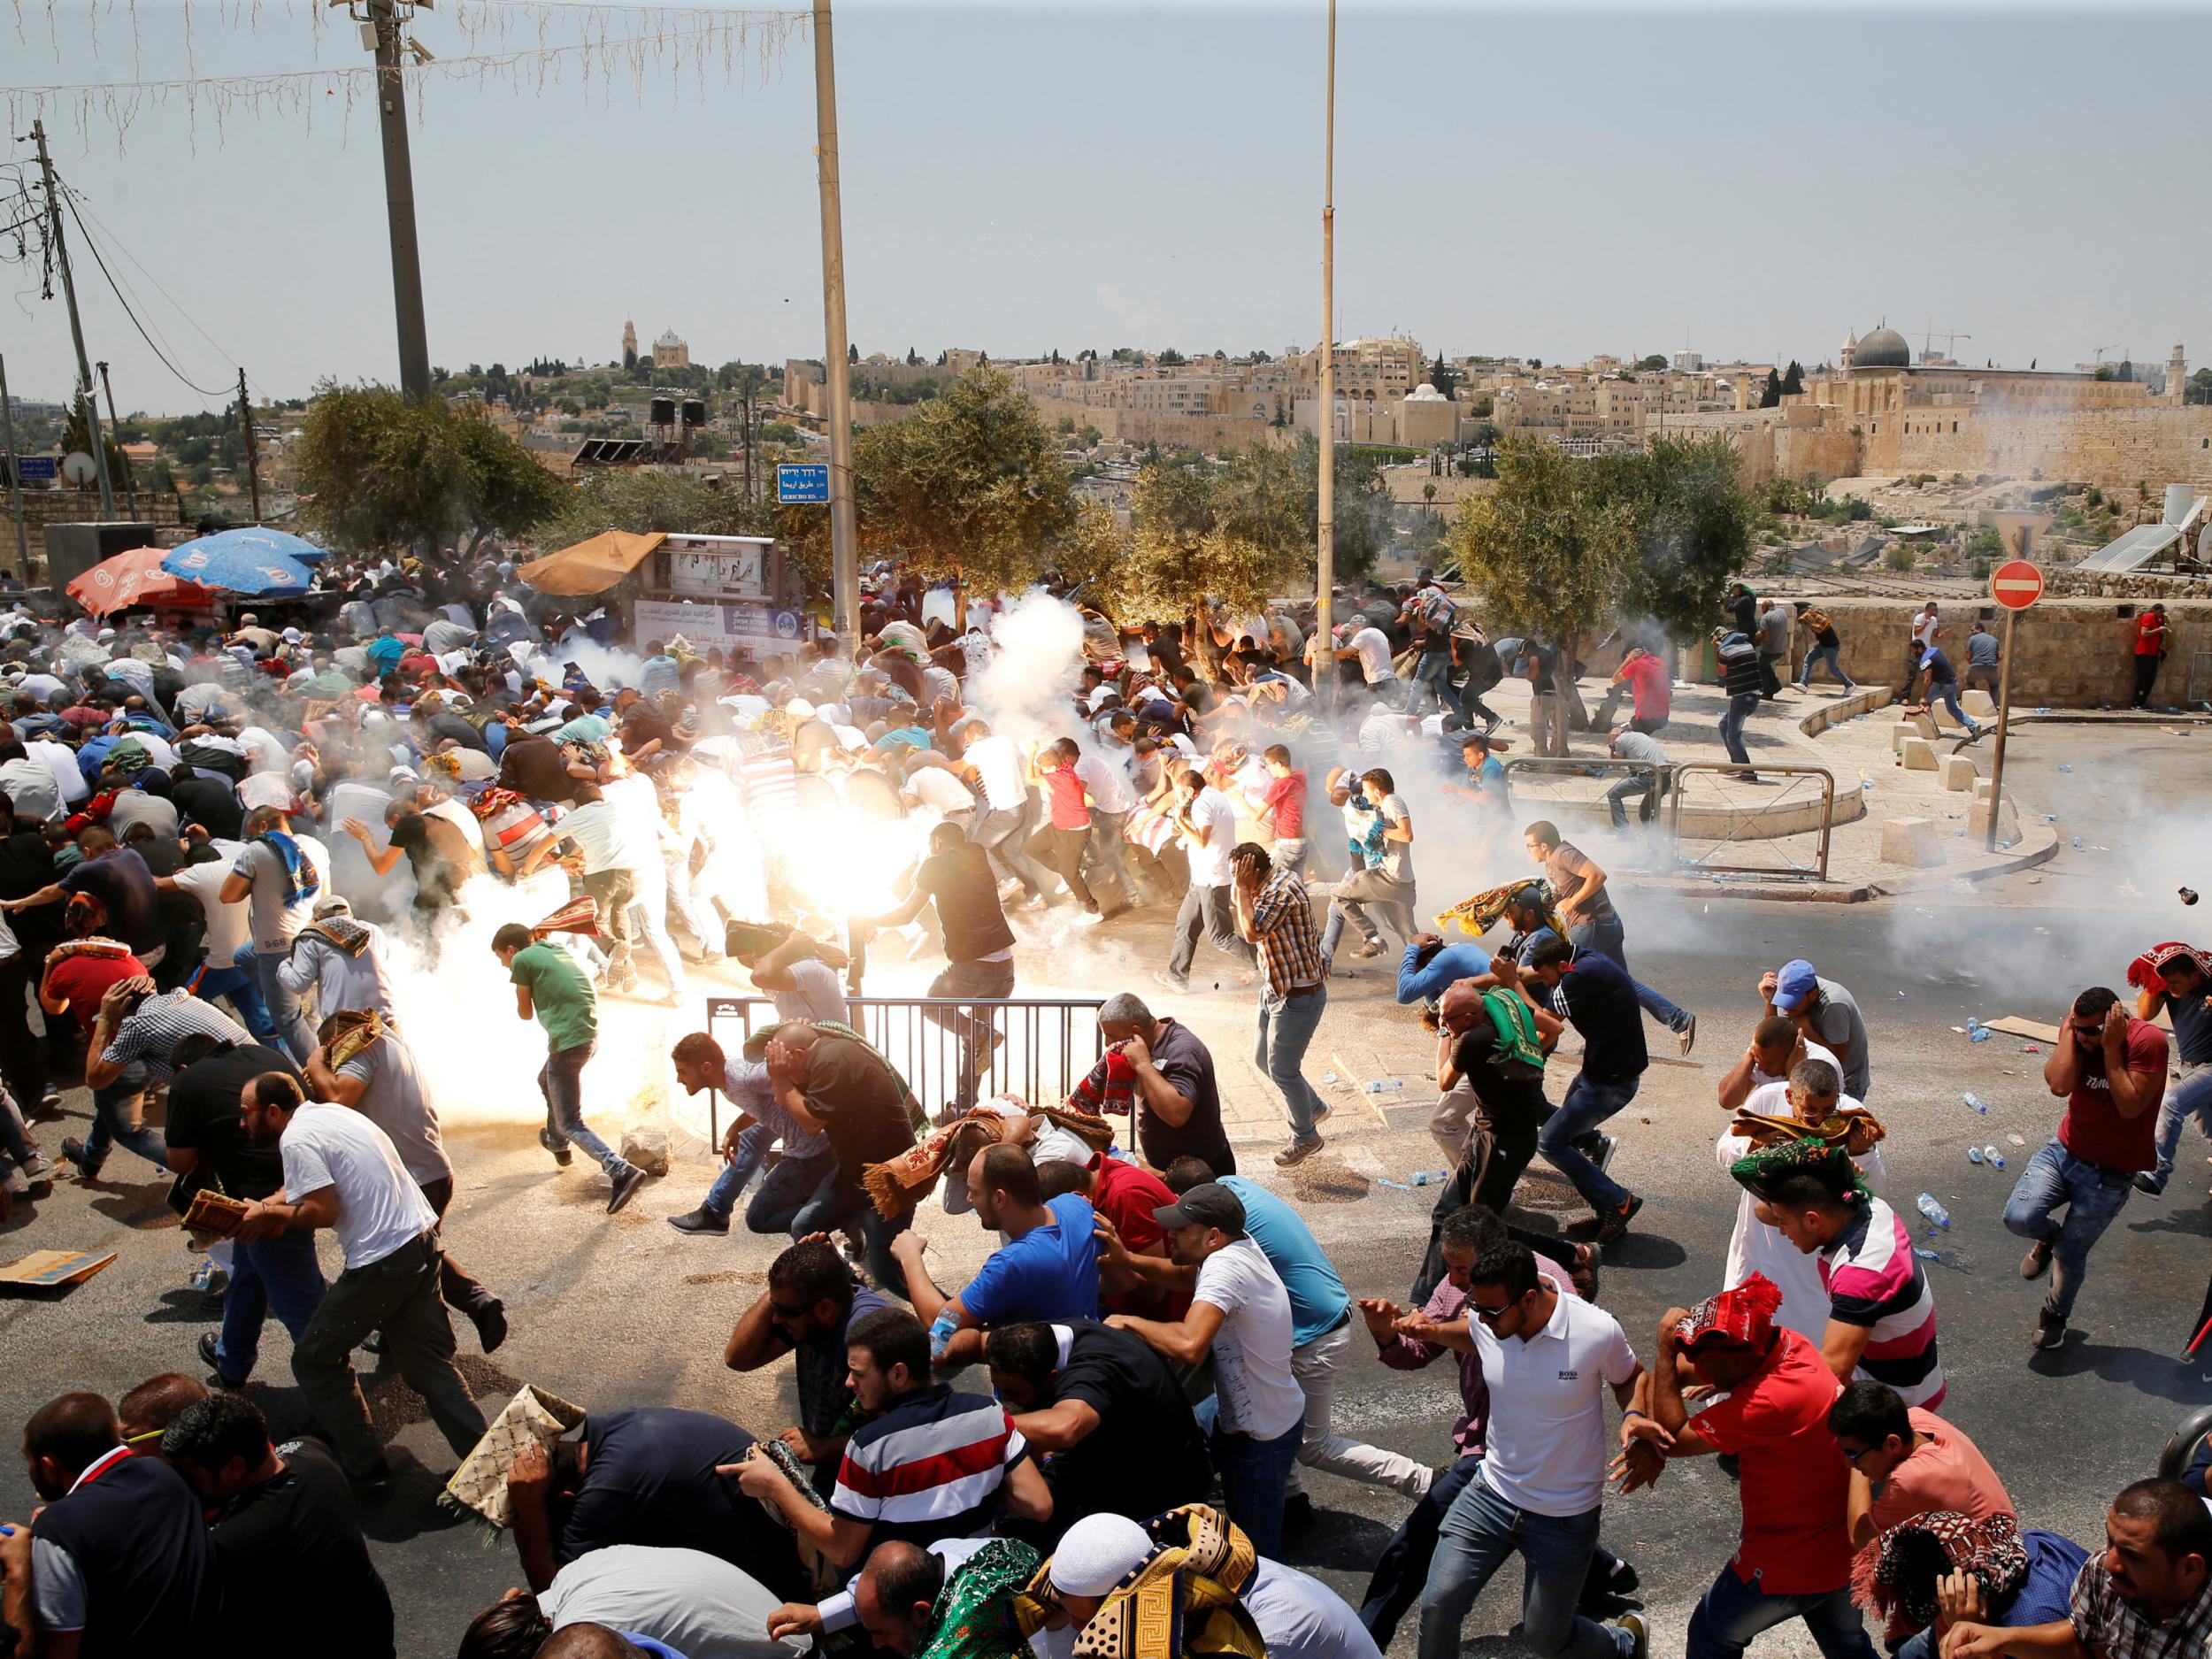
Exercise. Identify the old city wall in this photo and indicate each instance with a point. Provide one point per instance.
(1140, 425)
(2067, 653)
(2153, 443)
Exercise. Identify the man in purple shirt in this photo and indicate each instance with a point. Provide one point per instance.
(1409, 1341)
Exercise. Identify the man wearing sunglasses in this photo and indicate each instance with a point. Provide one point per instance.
(1548, 1360)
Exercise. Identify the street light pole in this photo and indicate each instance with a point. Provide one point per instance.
(253, 462)
(116, 421)
(844, 540)
(76, 323)
(1325, 576)
(399, 202)
(15, 484)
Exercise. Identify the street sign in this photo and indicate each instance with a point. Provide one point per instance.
(2016, 584)
(30, 466)
(798, 482)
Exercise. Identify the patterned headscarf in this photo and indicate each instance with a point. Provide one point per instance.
(1181, 1600)
(2148, 971)
(1481, 913)
(1760, 1171)
(1741, 1318)
(977, 1615)
(1896, 1575)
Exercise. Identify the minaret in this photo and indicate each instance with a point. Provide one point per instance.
(1850, 349)
(629, 343)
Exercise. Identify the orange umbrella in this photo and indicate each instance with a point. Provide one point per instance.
(591, 566)
(134, 578)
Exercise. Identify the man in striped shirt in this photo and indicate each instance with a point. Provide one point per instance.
(1274, 915)
(929, 1463)
(1881, 1312)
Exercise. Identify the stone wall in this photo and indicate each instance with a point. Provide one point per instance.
(1171, 431)
(2068, 653)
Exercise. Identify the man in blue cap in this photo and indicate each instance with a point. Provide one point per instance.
(1825, 1012)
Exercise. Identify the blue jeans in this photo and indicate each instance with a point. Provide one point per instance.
(2192, 1097)
(1637, 786)
(279, 1276)
(561, 1080)
(1608, 937)
(243, 987)
(1404, 1563)
(284, 1006)
(1479, 1532)
(729, 1185)
(1432, 672)
(1589, 1104)
(115, 1120)
(2092, 1195)
(1255, 1480)
(837, 1199)
(1740, 708)
(1832, 655)
(790, 1196)
(1732, 1612)
(1947, 693)
(1287, 1025)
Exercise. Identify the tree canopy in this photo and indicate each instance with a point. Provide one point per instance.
(1548, 548)
(379, 471)
(1693, 527)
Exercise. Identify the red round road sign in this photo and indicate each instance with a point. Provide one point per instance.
(2016, 584)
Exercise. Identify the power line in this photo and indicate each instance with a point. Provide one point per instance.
(68, 200)
(79, 205)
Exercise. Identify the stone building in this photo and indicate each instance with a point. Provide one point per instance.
(670, 352)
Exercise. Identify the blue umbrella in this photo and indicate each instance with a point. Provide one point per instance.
(242, 561)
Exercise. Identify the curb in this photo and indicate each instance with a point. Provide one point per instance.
(2037, 845)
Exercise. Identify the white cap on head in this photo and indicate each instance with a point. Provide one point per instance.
(799, 709)
(1096, 1554)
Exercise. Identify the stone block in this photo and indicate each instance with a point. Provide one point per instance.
(1939, 720)
(648, 1148)
(1978, 703)
(1919, 754)
(1900, 732)
(1982, 787)
(1911, 840)
(2007, 822)
(1925, 723)
(1958, 772)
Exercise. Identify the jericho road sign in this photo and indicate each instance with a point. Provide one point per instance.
(2016, 584)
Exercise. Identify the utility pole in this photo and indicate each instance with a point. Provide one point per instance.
(253, 463)
(844, 538)
(15, 484)
(115, 420)
(76, 324)
(399, 200)
(1324, 579)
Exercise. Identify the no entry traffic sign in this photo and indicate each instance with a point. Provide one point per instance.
(2016, 584)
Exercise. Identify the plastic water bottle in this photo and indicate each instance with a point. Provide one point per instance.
(1973, 1155)
(1975, 1100)
(2076, 844)
(1937, 1215)
(1979, 1033)
(1989, 1154)
(1384, 1085)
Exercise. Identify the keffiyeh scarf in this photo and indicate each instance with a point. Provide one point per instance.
(2148, 971)
(1896, 1575)
(1741, 1316)
(1758, 1173)
(1855, 1130)
(350, 1034)
(111, 948)
(578, 916)
(341, 932)
(301, 883)
(1182, 1599)
(899, 1184)
(1109, 1086)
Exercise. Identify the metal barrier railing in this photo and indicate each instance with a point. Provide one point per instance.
(1037, 1048)
(1661, 778)
(1757, 824)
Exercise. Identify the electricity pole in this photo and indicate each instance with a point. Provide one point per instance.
(399, 200)
(253, 463)
(15, 484)
(76, 324)
(844, 540)
(1324, 579)
(115, 420)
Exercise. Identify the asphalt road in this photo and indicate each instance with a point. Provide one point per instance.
(621, 1310)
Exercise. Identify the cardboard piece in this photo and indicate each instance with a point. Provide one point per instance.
(215, 1213)
(2013, 1025)
(49, 1270)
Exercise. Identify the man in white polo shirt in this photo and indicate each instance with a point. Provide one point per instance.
(343, 1172)
(1548, 1360)
(1208, 822)
(994, 768)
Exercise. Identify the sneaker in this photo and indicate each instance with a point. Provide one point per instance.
(1608, 1145)
(1616, 1225)
(207, 1352)
(700, 1221)
(2050, 1330)
(627, 1179)
(1366, 950)
(1007, 890)
(562, 1155)
(1688, 1034)
(2149, 1184)
(1639, 1634)
(1297, 1152)
(2037, 1259)
(490, 1321)
(73, 1150)
(1298, 1509)
(50, 1102)
(1086, 918)
(1174, 984)
(1321, 1113)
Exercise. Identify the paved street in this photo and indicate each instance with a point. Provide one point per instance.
(623, 1310)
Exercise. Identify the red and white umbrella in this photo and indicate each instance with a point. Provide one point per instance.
(134, 578)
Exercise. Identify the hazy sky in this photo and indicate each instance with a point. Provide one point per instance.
(1554, 182)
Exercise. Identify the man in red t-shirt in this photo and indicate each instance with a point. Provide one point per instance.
(1651, 686)
(2111, 1069)
(1770, 1410)
(1124, 1196)
(2150, 650)
(1060, 844)
(1283, 810)
(76, 981)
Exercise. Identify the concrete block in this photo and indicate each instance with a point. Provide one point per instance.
(648, 1148)
(1939, 720)
(1982, 787)
(1911, 840)
(1925, 723)
(1919, 754)
(1958, 772)
(1900, 732)
(1978, 703)
(2007, 821)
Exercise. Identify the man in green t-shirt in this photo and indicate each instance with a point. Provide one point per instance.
(549, 986)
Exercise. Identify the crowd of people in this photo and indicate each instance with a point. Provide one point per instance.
(200, 870)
